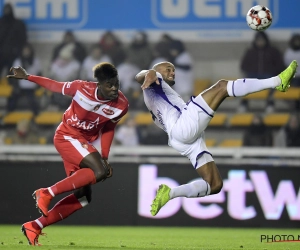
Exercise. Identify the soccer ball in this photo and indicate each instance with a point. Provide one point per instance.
(259, 18)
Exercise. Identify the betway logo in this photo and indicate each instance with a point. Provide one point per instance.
(236, 186)
(204, 13)
(51, 13)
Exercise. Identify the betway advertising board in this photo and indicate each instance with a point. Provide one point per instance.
(196, 19)
(251, 196)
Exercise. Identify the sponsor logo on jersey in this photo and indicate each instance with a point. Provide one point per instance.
(160, 119)
(108, 111)
(81, 99)
(85, 125)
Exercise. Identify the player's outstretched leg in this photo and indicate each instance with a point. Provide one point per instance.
(43, 198)
(161, 198)
(32, 233)
(215, 95)
(286, 76)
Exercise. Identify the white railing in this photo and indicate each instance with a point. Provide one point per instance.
(162, 154)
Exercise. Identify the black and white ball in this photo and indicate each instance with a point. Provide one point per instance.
(259, 18)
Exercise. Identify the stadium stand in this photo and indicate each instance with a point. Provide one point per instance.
(218, 120)
(5, 88)
(231, 143)
(241, 119)
(225, 129)
(48, 118)
(143, 118)
(200, 85)
(123, 119)
(15, 116)
(276, 120)
(210, 142)
(292, 94)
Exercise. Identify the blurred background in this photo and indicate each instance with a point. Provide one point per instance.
(255, 140)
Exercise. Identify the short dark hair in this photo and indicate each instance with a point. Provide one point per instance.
(104, 71)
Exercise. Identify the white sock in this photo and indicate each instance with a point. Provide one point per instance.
(242, 87)
(198, 188)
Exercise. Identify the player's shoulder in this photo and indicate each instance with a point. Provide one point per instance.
(85, 87)
(87, 83)
(89, 86)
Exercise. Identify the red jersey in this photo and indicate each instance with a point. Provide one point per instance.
(87, 115)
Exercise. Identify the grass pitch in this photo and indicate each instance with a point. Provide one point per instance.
(127, 238)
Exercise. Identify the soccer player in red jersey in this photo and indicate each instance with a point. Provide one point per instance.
(91, 118)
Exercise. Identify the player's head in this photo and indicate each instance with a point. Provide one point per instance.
(108, 80)
(167, 70)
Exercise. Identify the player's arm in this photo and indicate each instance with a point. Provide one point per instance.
(108, 132)
(146, 78)
(20, 73)
(107, 137)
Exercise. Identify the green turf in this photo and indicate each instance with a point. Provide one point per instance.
(183, 238)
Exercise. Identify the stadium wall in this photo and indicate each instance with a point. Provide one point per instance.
(252, 196)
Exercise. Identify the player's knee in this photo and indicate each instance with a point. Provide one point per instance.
(93, 161)
(222, 84)
(220, 88)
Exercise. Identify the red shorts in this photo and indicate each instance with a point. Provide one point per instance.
(72, 150)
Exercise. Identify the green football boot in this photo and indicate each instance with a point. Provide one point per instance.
(161, 198)
(286, 76)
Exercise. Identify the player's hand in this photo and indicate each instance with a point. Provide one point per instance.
(150, 77)
(109, 168)
(18, 73)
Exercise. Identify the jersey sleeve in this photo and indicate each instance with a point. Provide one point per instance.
(47, 83)
(70, 88)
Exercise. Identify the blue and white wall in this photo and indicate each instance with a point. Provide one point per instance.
(191, 20)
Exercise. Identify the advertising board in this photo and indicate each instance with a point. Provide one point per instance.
(251, 196)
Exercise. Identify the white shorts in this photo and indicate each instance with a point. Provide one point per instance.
(187, 134)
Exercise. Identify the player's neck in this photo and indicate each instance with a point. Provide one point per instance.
(99, 96)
